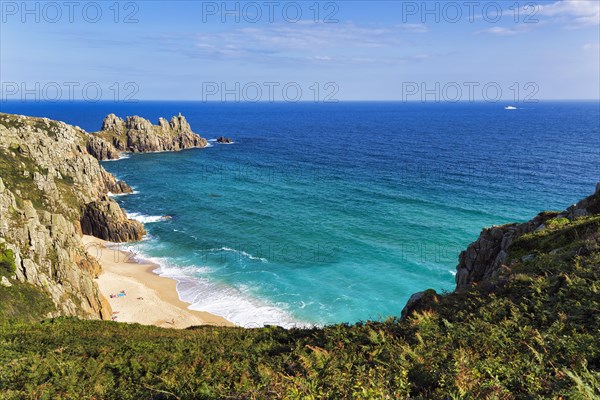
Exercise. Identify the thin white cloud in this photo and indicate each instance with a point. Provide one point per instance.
(305, 42)
(571, 14)
(574, 14)
(501, 31)
(416, 28)
(304, 37)
(591, 46)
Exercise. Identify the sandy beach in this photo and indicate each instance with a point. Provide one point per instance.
(137, 295)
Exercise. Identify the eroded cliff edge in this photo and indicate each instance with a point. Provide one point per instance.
(489, 261)
(487, 257)
(52, 191)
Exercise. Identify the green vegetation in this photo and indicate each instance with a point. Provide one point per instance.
(532, 333)
(10, 121)
(15, 122)
(557, 223)
(7, 261)
(17, 172)
(569, 238)
(22, 303)
(117, 139)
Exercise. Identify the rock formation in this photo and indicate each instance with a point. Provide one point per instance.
(106, 220)
(102, 149)
(51, 192)
(485, 260)
(138, 135)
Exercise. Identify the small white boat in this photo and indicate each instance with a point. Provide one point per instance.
(510, 108)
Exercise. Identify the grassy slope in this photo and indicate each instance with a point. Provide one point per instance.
(20, 302)
(535, 333)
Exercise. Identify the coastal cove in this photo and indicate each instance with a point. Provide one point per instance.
(335, 200)
(146, 298)
(525, 295)
(332, 213)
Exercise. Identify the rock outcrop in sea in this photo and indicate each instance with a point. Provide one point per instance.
(52, 191)
(224, 140)
(138, 135)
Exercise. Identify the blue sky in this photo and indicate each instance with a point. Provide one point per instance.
(352, 50)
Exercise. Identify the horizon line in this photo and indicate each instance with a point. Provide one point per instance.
(296, 102)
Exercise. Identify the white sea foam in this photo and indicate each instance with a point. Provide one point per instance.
(146, 219)
(243, 253)
(216, 141)
(123, 156)
(194, 285)
(240, 252)
(110, 194)
(235, 304)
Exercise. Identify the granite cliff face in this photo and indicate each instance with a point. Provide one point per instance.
(487, 261)
(104, 218)
(51, 192)
(138, 135)
(102, 149)
(484, 259)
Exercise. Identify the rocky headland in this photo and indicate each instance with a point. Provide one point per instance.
(487, 258)
(138, 135)
(488, 261)
(52, 191)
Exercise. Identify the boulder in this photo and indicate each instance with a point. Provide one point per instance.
(417, 300)
(119, 187)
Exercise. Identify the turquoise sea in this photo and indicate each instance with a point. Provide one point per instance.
(323, 213)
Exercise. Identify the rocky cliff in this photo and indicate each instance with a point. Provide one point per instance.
(485, 258)
(138, 135)
(488, 260)
(51, 192)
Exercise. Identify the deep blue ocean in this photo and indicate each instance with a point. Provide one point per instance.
(324, 213)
